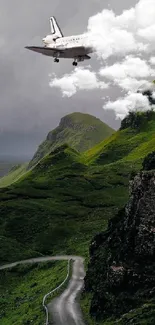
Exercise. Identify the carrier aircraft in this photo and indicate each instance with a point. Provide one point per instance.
(58, 46)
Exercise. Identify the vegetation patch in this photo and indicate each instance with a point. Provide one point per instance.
(22, 289)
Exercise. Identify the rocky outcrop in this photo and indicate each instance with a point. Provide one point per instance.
(121, 272)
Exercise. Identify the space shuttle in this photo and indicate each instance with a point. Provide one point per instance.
(58, 46)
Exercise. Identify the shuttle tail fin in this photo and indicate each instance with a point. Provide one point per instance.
(55, 28)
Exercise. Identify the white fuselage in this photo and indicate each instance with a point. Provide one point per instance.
(76, 47)
(69, 42)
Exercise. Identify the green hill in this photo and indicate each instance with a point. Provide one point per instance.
(130, 143)
(68, 197)
(78, 130)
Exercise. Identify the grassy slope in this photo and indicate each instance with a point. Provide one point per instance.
(68, 197)
(50, 218)
(78, 130)
(15, 173)
(22, 289)
(125, 145)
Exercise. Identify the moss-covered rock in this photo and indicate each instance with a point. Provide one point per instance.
(121, 272)
(149, 161)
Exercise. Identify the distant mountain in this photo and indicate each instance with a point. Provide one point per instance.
(13, 173)
(5, 167)
(7, 163)
(80, 131)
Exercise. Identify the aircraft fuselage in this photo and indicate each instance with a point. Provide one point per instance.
(77, 45)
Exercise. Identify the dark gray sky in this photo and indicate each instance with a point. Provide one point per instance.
(29, 108)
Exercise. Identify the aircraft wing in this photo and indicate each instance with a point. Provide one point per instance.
(49, 51)
(63, 51)
(77, 50)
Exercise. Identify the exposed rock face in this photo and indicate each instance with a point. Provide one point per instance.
(121, 272)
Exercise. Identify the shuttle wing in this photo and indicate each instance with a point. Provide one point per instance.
(49, 51)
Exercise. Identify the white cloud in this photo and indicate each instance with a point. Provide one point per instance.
(132, 67)
(132, 102)
(128, 74)
(145, 13)
(148, 33)
(130, 35)
(109, 39)
(152, 60)
(132, 31)
(79, 79)
(132, 84)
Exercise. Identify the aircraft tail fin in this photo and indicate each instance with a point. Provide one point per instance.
(55, 28)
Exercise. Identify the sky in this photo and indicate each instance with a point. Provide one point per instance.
(35, 92)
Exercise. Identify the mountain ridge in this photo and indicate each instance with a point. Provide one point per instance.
(80, 131)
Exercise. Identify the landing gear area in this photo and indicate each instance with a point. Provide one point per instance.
(75, 63)
(76, 59)
(56, 60)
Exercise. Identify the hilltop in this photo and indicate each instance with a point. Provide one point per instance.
(78, 130)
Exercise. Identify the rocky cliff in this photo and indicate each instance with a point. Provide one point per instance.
(121, 272)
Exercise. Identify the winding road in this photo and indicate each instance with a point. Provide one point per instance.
(63, 310)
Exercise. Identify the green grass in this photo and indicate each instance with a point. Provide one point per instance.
(126, 145)
(15, 173)
(47, 210)
(22, 289)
